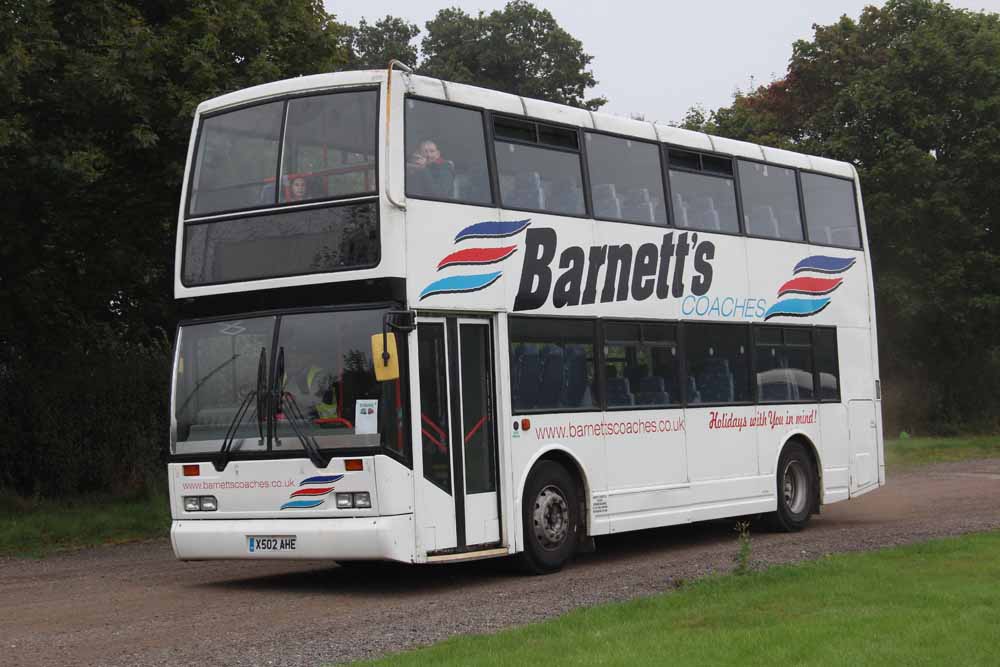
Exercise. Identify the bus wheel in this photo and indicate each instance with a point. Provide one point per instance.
(551, 518)
(796, 489)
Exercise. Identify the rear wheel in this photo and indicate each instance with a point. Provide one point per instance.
(797, 485)
(550, 514)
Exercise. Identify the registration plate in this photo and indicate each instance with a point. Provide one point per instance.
(271, 543)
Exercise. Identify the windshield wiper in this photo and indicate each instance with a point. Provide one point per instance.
(285, 399)
(198, 385)
(234, 426)
(261, 394)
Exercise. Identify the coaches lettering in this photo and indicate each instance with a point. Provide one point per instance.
(628, 272)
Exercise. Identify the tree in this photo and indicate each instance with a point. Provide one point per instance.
(372, 46)
(910, 94)
(95, 115)
(519, 49)
(696, 118)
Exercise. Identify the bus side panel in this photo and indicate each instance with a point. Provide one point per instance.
(721, 443)
(775, 265)
(439, 241)
(395, 486)
(858, 393)
(572, 432)
(834, 451)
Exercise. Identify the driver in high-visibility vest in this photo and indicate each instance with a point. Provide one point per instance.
(316, 389)
(321, 384)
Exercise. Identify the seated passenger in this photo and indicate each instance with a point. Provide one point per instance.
(431, 174)
(297, 190)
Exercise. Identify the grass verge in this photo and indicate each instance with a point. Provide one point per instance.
(38, 527)
(930, 603)
(922, 451)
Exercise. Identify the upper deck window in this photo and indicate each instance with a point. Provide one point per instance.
(703, 192)
(625, 179)
(446, 153)
(770, 201)
(328, 151)
(329, 147)
(237, 155)
(539, 166)
(284, 243)
(831, 217)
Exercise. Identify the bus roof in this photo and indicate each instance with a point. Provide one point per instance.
(516, 105)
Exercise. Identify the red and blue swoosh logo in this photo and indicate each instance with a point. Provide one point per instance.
(806, 294)
(473, 256)
(311, 492)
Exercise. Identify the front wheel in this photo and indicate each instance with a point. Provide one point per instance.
(550, 513)
(797, 485)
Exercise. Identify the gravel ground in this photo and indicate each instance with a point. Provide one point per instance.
(135, 605)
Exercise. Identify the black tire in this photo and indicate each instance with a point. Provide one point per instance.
(550, 514)
(797, 483)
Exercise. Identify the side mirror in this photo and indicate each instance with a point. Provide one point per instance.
(384, 357)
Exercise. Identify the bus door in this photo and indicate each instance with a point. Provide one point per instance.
(458, 433)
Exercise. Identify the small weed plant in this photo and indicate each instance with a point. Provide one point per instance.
(742, 558)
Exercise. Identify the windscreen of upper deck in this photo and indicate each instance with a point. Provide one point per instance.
(255, 172)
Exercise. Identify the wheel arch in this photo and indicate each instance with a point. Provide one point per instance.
(803, 439)
(566, 458)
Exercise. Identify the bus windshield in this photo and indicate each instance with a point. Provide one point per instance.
(327, 385)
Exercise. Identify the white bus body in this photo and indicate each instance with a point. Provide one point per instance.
(544, 333)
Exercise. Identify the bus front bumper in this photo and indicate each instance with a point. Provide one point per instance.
(360, 538)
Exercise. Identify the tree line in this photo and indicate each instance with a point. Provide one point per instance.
(96, 103)
(910, 94)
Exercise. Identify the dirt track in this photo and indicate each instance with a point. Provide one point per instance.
(136, 605)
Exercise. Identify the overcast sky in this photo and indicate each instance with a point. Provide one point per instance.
(661, 58)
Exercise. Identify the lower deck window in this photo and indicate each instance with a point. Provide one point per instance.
(784, 365)
(718, 363)
(641, 365)
(667, 364)
(552, 364)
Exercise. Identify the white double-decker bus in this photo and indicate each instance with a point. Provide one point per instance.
(429, 322)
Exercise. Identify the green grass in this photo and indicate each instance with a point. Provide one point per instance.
(39, 527)
(933, 603)
(921, 451)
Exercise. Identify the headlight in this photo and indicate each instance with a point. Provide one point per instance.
(200, 504)
(344, 501)
(363, 500)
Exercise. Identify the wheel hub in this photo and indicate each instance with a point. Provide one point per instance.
(551, 517)
(794, 486)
